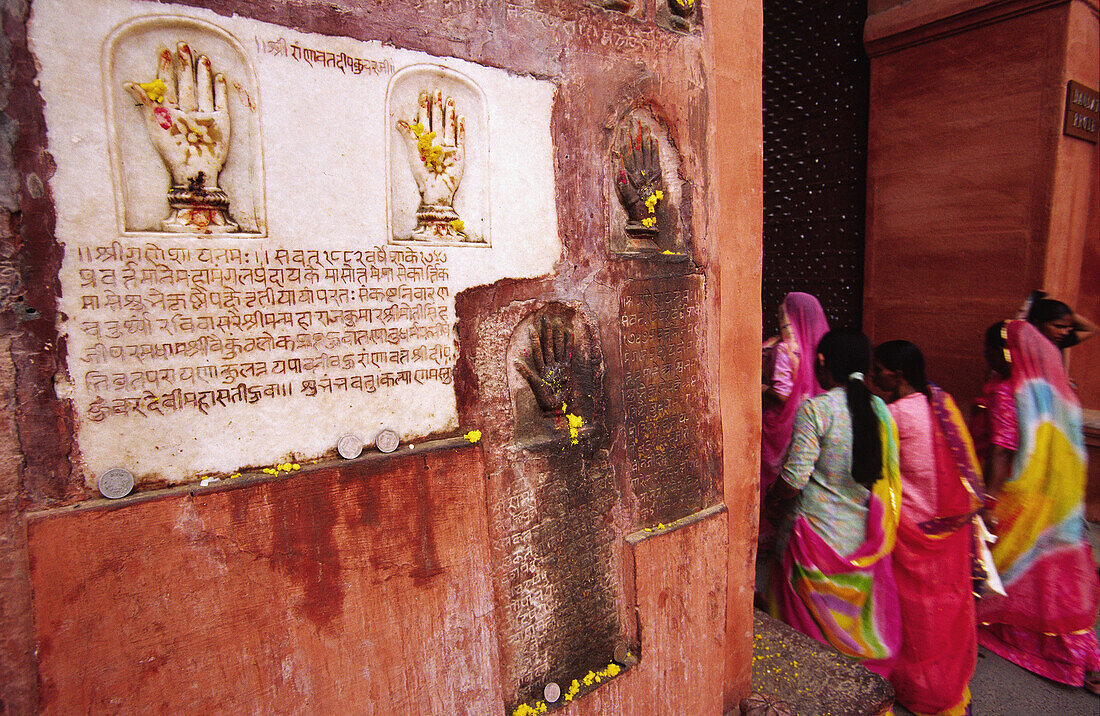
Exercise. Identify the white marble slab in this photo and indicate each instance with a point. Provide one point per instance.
(307, 313)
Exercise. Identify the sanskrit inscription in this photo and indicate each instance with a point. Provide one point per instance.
(336, 60)
(170, 329)
(662, 338)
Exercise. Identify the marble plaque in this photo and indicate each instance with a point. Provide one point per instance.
(662, 337)
(265, 230)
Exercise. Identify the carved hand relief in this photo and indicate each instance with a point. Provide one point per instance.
(552, 493)
(184, 130)
(646, 219)
(436, 145)
(438, 177)
(555, 380)
(186, 116)
(547, 365)
(639, 184)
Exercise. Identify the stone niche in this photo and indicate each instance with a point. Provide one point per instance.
(559, 555)
(215, 144)
(647, 198)
(445, 199)
(235, 266)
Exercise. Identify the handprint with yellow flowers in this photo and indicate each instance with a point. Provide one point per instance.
(187, 118)
(436, 147)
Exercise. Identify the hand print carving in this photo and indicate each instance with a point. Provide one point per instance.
(436, 148)
(437, 158)
(639, 183)
(548, 366)
(187, 119)
(648, 199)
(555, 373)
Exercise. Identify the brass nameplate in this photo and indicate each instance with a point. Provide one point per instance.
(1082, 112)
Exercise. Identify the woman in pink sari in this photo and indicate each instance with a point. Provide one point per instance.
(1036, 481)
(802, 324)
(941, 494)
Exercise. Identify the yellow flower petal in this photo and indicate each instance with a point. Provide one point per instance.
(155, 90)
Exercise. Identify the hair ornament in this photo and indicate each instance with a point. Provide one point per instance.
(1004, 337)
(857, 376)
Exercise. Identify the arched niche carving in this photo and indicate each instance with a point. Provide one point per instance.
(437, 158)
(183, 118)
(646, 194)
(555, 376)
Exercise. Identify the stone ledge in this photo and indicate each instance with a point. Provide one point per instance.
(914, 23)
(252, 476)
(1091, 421)
(811, 677)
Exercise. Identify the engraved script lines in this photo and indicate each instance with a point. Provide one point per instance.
(170, 329)
(661, 328)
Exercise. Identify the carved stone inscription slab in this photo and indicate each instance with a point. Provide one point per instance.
(561, 617)
(662, 347)
(264, 231)
(552, 496)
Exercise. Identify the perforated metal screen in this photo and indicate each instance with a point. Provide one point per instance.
(816, 79)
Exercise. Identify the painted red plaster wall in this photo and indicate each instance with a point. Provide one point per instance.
(363, 588)
(358, 587)
(736, 37)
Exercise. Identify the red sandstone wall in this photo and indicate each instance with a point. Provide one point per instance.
(358, 587)
(738, 220)
(974, 197)
(1082, 202)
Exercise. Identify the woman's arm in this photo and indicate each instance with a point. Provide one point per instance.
(998, 469)
(778, 500)
(782, 382)
(799, 464)
(771, 396)
(1083, 327)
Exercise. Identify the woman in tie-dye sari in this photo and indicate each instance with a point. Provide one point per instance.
(834, 580)
(1037, 485)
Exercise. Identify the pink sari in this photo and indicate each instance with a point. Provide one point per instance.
(808, 325)
(933, 573)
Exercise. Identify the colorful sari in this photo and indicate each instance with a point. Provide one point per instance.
(848, 601)
(932, 569)
(1045, 622)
